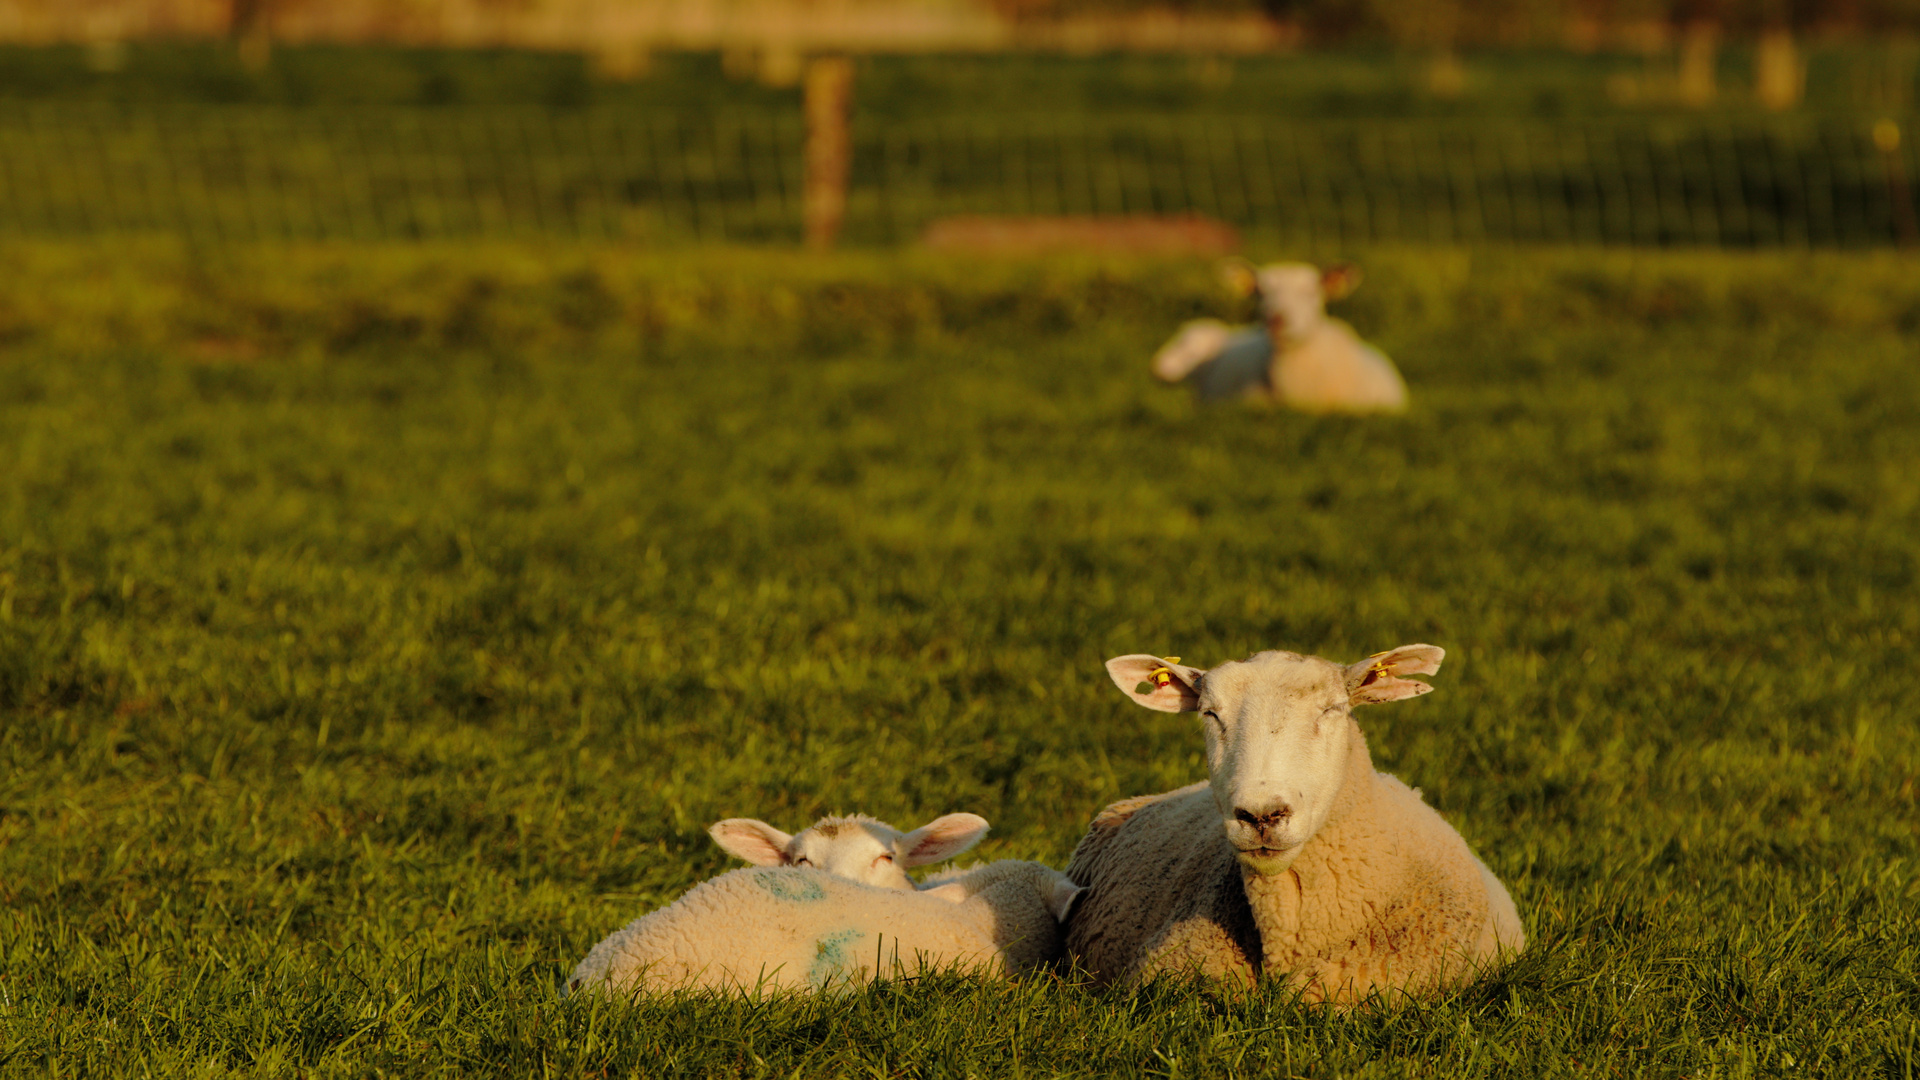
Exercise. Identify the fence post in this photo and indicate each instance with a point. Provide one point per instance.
(1886, 137)
(829, 92)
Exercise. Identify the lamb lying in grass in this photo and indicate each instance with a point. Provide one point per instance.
(785, 929)
(1296, 860)
(1298, 355)
(859, 848)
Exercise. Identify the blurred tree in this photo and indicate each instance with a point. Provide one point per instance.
(1435, 29)
(1431, 27)
(1700, 22)
(250, 24)
(1780, 74)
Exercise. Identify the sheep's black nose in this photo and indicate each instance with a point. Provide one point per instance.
(1265, 821)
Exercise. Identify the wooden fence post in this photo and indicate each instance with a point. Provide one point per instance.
(1906, 231)
(829, 95)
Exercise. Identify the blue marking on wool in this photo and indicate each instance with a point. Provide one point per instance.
(830, 956)
(799, 888)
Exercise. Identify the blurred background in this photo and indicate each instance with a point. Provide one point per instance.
(1317, 124)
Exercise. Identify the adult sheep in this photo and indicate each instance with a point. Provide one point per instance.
(1296, 860)
(856, 847)
(1296, 355)
(786, 929)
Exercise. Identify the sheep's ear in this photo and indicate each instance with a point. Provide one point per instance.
(1060, 893)
(1375, 679)
(1170, 684)
(755, 841)
(941, 839)
(1339, 280)
(1240, 276)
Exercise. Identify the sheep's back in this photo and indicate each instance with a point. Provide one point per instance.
(1163, 893)
(1334, 371)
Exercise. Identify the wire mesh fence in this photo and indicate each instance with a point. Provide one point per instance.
(1754, 183)
(231, 173)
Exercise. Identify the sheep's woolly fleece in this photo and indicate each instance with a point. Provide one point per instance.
(1332, 371)
(790, 929)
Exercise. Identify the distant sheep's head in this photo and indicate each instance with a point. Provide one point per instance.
(858, 847)
(1279, 727)
(1293, 296)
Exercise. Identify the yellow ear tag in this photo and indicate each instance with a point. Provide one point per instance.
(1162, 676)
(1374, 672)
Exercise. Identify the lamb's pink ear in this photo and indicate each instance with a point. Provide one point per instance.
(941, 839)
(1170, 683)
(1376, 678)
(755, 841)
(1338, 281)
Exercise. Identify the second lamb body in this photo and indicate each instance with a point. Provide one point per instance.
(1297, 355)
(791, 929)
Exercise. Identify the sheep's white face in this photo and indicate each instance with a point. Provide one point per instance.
(1292, 298)
(1279, 726)
(858, 848)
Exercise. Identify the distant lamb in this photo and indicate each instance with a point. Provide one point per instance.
(1297, 860)
(1298, 356)
(858, 848)
(785, 929)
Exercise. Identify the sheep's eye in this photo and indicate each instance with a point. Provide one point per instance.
(884, 858)
(803, 861)
(1211, 716)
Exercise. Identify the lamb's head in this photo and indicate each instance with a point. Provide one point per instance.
(857, 847)
(1293, 296)
(1279, 727)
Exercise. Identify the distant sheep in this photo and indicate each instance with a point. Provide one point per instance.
(1298, 355)
(858, 847)
(1297, 860)
(784, 929)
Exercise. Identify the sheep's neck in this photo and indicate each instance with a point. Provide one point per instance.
(1286, 334)
(1309, 903)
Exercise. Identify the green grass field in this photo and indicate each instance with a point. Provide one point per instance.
(380, 627)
